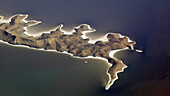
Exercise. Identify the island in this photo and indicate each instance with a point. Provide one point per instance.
(77, 43)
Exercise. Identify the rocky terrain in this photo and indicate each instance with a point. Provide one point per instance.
(13, 33)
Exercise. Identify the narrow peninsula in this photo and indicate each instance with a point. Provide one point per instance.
(77, 44)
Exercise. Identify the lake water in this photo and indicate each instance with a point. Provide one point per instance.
(28, 72)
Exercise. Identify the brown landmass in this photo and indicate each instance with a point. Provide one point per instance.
(13, 33)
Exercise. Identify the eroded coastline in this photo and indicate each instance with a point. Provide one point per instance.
(76, 44)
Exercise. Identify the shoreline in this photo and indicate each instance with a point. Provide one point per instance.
(112, 71)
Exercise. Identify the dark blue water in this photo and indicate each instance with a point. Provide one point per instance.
(26, 72)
